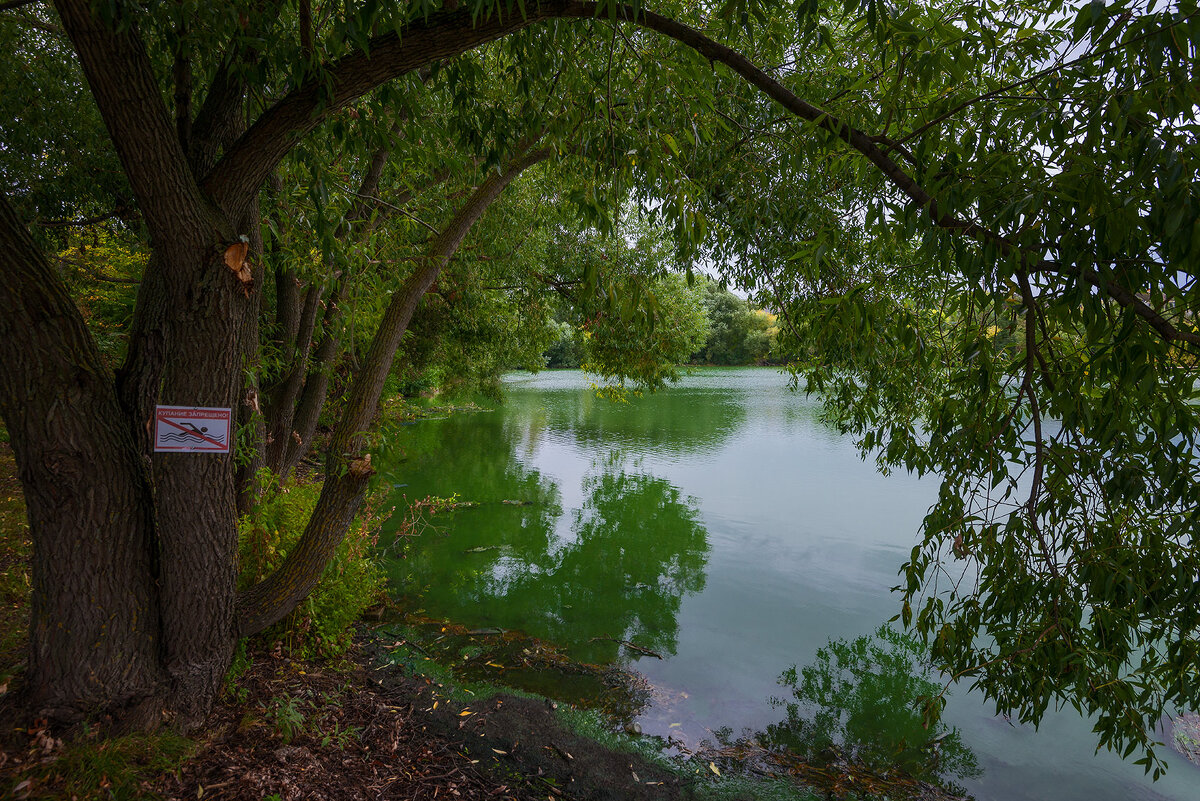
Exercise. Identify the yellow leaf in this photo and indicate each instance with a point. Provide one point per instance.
(713, 768)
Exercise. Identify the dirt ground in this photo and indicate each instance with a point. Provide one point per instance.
(296, 731)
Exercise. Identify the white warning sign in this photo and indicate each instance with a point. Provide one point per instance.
(194, 429)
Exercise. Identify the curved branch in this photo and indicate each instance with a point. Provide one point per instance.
(347, 474)
(442, 35)
(250, 160)
(868, 147)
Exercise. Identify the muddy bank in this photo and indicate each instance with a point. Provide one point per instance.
(512, 736)
(298, 731)
(367, 729)
(513, 659)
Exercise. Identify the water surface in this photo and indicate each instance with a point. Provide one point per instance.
(719, 524)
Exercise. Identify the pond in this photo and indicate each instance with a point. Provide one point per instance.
(718, 524)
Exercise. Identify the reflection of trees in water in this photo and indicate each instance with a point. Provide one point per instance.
(472, 455)
(863, 701)
(638, 549)
(674, 420)
(635, 546)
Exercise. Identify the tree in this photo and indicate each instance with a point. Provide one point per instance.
(972, 167)
(738, 332)
(1020, 320)
(141, 618)
(633, 317)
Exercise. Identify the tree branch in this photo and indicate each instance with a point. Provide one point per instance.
(346, 474)
(143, 133)
(1126, 299)
(440, 35)
(866, 146)
(1008, 87)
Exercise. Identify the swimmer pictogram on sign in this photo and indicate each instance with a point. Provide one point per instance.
(193, 429)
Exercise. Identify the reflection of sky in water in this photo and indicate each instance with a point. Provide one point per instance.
(787, 538)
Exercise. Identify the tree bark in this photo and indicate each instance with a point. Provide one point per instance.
(191, 316)
(94, 629)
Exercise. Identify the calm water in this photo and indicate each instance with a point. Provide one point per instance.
(719, 524)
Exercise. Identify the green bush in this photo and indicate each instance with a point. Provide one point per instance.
(353, 580)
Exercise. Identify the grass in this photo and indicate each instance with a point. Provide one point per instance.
(118, 768)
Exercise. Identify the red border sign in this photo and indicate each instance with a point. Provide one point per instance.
(192, 429)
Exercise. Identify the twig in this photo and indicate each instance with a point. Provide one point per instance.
(387, 205)
(629, 645)
(1088, 56)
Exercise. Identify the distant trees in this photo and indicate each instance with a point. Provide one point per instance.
(729, 329)
(738, 331)
(628, 311)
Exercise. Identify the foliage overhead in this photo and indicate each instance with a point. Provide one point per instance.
(977, 222)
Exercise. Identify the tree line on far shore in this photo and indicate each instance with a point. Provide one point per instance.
(730, 330)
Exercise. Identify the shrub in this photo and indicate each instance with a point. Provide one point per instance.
(353, 580)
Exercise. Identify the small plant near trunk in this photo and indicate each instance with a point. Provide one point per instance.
(286, 718)
(351, 582)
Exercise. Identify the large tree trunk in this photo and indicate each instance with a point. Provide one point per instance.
(94, 633)
(185, 350)
(134, 556)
